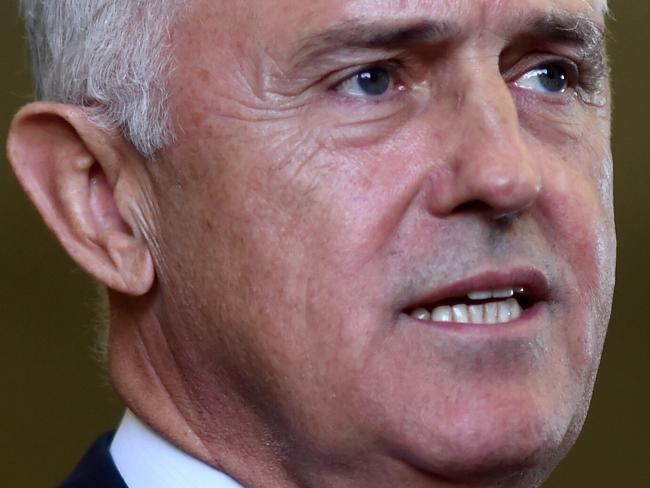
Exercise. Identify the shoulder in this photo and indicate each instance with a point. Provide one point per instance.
(96, 469)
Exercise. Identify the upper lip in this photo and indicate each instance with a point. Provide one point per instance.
(533, 281)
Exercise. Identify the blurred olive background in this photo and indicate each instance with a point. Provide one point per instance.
(54, 399)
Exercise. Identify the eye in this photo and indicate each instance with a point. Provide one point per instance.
(551, 78)
(369, 82)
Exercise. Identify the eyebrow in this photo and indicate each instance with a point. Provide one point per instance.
(558, 26)
(359, 33)
(575, 28)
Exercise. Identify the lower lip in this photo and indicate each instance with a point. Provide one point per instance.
(530, 319)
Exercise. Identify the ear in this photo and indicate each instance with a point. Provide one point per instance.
(82, 181)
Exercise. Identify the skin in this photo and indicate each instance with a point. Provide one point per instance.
(262, 267)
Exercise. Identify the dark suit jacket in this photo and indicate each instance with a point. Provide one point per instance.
(96, 469)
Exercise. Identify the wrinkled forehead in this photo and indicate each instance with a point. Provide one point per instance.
(284, 22)
(279, 32)
(470, 9)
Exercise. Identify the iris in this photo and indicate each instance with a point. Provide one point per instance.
(373, 81)
(553, 78)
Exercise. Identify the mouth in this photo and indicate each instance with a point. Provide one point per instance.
(489, 299)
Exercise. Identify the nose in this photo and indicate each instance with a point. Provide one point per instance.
(488, 166)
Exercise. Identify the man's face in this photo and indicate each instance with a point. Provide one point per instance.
(346, 168)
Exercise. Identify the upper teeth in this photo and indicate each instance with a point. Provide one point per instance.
(497, 312)
(502, 293)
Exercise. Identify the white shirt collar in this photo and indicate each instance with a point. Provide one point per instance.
(146, 460)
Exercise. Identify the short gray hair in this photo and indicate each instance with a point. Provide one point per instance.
(111, 57)
(603, 6)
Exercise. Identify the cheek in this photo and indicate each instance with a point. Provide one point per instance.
(586, 231)
(580, 223)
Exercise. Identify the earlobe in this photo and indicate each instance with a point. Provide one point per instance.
(71, 169)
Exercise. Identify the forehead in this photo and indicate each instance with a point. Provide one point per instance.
(287, 20)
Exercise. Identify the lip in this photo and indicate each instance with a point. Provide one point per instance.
(532, 280)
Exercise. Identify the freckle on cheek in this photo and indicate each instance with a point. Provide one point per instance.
(204, 75)
(197, 118)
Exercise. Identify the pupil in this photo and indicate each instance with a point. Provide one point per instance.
(374, 81)
(553, 78)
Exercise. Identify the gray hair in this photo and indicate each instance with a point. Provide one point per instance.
(111, 57)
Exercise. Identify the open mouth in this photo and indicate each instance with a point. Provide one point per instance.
(491, 298)
(478, 307)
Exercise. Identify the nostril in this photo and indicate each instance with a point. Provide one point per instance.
(502, 217)
(473, 206)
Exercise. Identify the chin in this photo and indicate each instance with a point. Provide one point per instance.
(488, 442)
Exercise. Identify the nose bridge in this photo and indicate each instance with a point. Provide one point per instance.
(489, 116)
(488, 110)
(490, 164)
